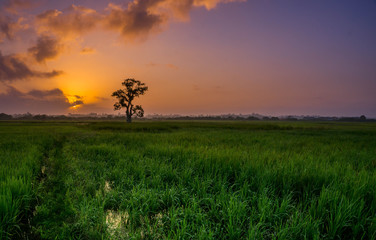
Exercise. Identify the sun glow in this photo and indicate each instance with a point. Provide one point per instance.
(71, 98)
(75, 107)
(75, 100)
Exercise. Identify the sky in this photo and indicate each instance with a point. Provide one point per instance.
(271, 57)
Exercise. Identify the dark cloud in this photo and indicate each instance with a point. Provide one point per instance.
(137, 20)
(46, 93)
(7, 27)
(76, 100)
(142, 17)
(35, 101)
(13, 68)
(53, 73)
(10, 25)
(47, 47)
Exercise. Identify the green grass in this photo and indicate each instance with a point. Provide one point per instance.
(188, 180)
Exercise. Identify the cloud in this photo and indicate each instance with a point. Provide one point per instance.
(75, 20)
(39, 94)
(87, 50)
(181, 9)
(35, 101)
(135, 21)
(14, 68)
(142, 17)
(75, 100)
(210, 4)
(13, 6)
(7, 28)
(47, 47)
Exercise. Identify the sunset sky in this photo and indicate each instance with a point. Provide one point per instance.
(272, 57)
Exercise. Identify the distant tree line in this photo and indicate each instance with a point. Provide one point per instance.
(42, 117)
(229, 117)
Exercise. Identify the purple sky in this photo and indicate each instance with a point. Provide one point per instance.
(273, 57)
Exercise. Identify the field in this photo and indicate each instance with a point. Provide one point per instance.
(187, 180)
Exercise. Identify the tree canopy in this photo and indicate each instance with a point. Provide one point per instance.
(132, 89)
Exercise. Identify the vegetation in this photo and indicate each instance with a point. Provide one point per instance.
(133, 88)
(188, 180)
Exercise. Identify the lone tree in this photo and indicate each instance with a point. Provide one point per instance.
(133, 88)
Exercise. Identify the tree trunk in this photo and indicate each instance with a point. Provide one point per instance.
(129, 115)
(129, 118)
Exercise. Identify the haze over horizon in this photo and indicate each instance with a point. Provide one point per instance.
(271, 57)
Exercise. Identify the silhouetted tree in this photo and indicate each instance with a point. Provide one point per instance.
(363, 118)
(133, 88)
